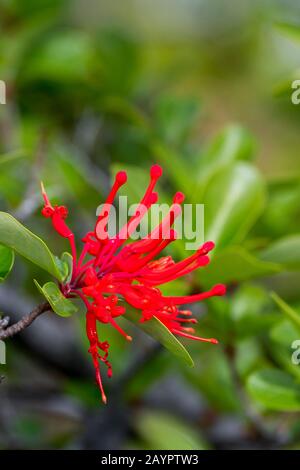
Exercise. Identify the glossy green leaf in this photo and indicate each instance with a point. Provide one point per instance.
(17, 237)
(274, 389)
(67, 259)
(6, 261)
(235, 264)
(285, 251)
(157, 330)
(284, 333)
(60, 305)
(281, 217)
(232, 144)
(164, 432)
(249, 311)
(291, 30)
(249, 356)
(287, 310)
(233, 201)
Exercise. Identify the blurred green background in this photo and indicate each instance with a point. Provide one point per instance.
(203, 88)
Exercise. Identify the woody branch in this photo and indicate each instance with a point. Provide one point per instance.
(8, 331)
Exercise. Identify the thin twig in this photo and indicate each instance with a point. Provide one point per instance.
(24, 322)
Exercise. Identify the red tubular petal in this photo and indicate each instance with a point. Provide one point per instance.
(138, 262)
(148, 199)
(120, 180)
(163, 229)
(155, 174)
(173, 271)
(159, 278)
(217, 290)
(99, 380)
(91, 330)
(60, 226)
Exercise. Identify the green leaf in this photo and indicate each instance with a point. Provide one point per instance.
(67, 259)
(11, 156)
(174, 118)
(284, 333)
(291, 30)
(235, 264)
(76, 176)
(118, 57)
(234, 199)
(17, 237)
(285, 251)
(249, 311)
(287, 310)
(232, 144)
(164, 432)
(65, 57)
(60, 305)
(6, 261)
(274, 389)
(157, 330)
(281, 216)
(282, 337)
(283, 89)
(212, 374)
(123, 110)
(249, 356)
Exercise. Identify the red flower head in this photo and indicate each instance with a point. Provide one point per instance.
(109, 270)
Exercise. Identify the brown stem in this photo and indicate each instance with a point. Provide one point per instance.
(24, 322)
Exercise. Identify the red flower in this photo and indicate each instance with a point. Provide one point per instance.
(109, 270)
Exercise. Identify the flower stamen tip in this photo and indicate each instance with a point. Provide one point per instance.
(156, 171)
(207, 247)
(121, 177)
(178, 198)
(104, 399)
(219, 289)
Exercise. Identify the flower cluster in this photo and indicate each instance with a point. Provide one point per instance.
(110, 271)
